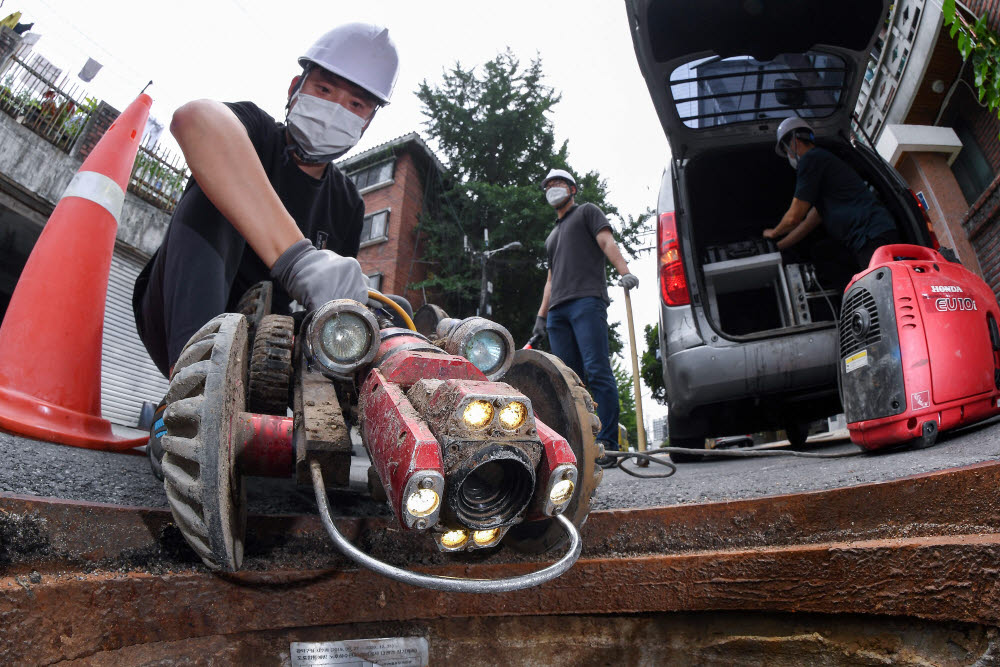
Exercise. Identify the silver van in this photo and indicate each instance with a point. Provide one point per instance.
(748, 334)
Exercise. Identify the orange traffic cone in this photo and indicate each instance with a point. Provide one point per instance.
(50, 341)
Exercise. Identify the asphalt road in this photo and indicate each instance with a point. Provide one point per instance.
(35, 468)
(735, 479)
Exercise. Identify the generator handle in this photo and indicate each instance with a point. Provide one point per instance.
(889, 253)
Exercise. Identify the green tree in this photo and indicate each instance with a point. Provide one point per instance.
(651, 365)
(980, 47)
(491, 123)
(626, 400)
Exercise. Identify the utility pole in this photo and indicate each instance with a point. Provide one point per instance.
(485, 285)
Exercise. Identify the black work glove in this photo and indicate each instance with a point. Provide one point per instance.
(539, 329)
(312, 277)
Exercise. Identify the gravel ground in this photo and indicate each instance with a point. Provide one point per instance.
(38, 468)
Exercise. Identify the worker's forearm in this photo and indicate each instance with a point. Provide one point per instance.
(224, 163)
(607, 244)
(801, 230)
(787, 224)
(543, 309)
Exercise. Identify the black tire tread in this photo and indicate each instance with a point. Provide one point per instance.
(271, 365)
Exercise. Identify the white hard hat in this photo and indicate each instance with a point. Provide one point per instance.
(788, 126)
(559, 173)
(361, 53)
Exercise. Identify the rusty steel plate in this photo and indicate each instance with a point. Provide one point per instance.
(79, 578)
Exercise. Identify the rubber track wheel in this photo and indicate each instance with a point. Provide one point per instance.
(271, 366)
(255, 304)
(560, 400)
(203, 485)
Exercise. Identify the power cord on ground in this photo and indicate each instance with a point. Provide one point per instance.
(651, 456)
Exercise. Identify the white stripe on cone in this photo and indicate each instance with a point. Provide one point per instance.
(99, 189)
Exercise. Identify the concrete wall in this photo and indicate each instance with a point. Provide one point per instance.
(35, 165)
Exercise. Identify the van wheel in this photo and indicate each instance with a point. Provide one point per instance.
(687, 443)
(797, 434)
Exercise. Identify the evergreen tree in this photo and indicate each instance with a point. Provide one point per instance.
(626, 401)
(492, 126)
(651, 366)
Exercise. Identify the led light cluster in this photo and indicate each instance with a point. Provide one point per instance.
(562, 485)
(479, 414)
(422, 504)
(462, 539)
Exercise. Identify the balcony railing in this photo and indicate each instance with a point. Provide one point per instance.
(158, 177)
(52, 107)
(49, 104)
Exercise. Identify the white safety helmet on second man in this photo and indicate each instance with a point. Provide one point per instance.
(787, 127)
(559, 173)
(361, 53)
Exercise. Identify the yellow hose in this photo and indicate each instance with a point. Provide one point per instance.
(383, 299)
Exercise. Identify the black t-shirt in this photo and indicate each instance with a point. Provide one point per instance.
(850, 211)
(329, 211)
(575, 259)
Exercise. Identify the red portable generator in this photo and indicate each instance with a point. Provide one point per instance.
(919, 348)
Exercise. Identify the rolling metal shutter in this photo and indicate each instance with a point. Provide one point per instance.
(128, 376)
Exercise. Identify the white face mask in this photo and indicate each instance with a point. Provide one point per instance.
(793, 157)
(556, 196)
(793, 160)
(322, 129)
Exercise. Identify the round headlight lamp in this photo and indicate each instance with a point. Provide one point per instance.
(342, 337)
(485, 343)
(485, 350)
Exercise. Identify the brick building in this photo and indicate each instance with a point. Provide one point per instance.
(919, 107)
(399, 180)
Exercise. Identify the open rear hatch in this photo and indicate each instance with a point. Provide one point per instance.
(723, 72)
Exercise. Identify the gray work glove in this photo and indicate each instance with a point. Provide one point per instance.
(312, 277)
(539, 329)
(628, 281)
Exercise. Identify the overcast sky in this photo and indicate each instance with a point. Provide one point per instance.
(247, 49)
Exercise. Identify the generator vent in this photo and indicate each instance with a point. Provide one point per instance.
(859, 322)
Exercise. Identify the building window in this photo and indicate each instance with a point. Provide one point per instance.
(372, 176)
(375, 281)
(375, 227)
(971, 168)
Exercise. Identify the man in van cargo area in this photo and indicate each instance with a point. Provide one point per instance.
(574, 310)
(830, 192)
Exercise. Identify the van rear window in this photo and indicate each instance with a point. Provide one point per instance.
(720, 91)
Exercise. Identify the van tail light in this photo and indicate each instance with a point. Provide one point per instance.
(673, 284)
(927, 221)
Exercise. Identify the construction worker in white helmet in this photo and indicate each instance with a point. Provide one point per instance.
(574, 309)
(829, 192)
(265, 201)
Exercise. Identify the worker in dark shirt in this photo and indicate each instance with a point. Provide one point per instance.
(264, 201)
(829, 192)
(574, 309)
